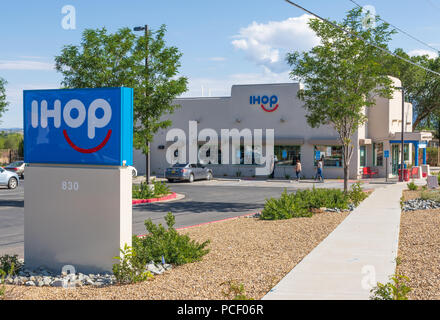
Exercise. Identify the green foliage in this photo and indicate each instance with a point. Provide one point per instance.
(174, 247)
(142, 191)
(3, 102)
(430, 195)
(412, 186)
(356, 194)
(235, 291)
(3, 274)
(129, 269)
(395, 289)
(299, 204)
(342, 75)
(118, 59)
(11, 141)
(10, 264)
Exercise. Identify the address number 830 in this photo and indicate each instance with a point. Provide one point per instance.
(67, 185)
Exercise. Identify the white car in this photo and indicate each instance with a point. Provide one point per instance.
(8, 178)
(134, 172)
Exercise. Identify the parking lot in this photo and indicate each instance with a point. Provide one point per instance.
(204, 201)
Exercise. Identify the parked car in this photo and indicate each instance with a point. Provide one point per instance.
(8, 178)
(17, 167)
(188, 171)
(134, 172)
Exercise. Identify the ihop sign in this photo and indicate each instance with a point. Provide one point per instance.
(79, 126)
(268, 104)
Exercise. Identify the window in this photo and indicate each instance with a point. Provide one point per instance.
(363, 156)
(378, 154)
(287, 155)
(406, 152)
(332, 155)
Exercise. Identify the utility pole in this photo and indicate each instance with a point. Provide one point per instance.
(147, 155)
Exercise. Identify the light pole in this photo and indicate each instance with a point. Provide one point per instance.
(147, 156)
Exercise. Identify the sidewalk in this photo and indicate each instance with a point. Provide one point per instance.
(358, 253)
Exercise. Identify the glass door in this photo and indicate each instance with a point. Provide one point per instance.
(395, 159)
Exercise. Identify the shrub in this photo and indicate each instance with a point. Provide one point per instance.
(396, 289)
(356, 194)
(129, 269)
(234, 291)
(143, 191)
(299, 204)
(284, 208)
(412, 186)
(174, 247)
(430, 195)
(10, 264)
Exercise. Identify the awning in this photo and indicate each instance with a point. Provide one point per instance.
(324, 142)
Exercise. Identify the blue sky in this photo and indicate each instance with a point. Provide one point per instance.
(223, 42)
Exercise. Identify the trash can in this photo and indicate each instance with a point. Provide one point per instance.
(405, 174)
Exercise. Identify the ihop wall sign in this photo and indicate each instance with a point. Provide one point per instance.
(268, 104)
(79, 126)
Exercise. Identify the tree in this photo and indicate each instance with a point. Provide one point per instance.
(342, 76)
(422, 88)
(3, 102)
(114, 60)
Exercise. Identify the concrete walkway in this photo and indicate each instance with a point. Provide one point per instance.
(360, 252)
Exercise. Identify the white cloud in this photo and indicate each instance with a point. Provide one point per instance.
(422, 52)
(217, 59)
(25, 65)
(267, 43)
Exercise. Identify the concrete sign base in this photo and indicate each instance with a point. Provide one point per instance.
(79, 216)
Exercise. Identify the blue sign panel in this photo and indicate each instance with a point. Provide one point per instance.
(78, 126)
(318, 155)
(386, 153)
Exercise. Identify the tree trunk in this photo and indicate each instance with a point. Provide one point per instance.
(346, 167)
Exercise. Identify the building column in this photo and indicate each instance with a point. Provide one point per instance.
(416, 154)
(424, 154)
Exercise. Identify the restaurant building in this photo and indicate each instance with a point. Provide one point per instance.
(276, 106)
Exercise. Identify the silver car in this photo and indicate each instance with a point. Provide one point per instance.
(188, 171)
(8, 178)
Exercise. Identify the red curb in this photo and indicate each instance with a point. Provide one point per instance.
(168, 197)
(201, 224)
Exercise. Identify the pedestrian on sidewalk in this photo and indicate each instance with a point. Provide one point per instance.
(272, 166)
(298, 170)
(319, 168)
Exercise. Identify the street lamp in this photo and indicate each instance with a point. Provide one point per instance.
(147, 160)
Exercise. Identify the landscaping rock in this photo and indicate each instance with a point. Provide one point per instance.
(420, 204)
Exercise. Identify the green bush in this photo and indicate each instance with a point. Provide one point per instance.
(412, 186)
(299, 204)
(286, 207)
(174, 247)
(142, 191)
(430, 195)
(10, 264)
(129, 269)
(396, 289)
(356, 194)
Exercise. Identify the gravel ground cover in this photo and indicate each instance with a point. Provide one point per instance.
(246, 250)
(419, 250)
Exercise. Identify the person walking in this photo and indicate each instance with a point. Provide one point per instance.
(319, 170)
(298, 170)
(272, 166)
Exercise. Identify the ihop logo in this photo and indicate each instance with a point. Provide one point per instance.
(84, 126)
(77, 108)
(268, 104)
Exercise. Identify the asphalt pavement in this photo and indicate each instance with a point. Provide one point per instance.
(203, 202)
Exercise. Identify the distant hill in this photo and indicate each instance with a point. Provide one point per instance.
(12, 130)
